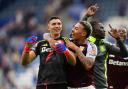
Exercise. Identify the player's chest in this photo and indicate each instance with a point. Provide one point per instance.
(45, 48)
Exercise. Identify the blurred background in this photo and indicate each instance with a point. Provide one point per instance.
(22, 18)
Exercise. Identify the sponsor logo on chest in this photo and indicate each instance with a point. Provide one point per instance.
(46, 49)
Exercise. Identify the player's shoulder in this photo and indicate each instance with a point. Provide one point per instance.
(92, 44)
(108, 45)
(65, 38)
(92, 50)
(42, 42)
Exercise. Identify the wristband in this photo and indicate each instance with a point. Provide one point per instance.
(67, 52)
(26, 49)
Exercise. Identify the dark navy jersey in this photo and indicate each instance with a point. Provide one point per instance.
(53, 65)
(77, 75)
(100, 66)
(117, 72)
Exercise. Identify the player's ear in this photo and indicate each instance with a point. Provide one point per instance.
(84, 34)
(48, 26)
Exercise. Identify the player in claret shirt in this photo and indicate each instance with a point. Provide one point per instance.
(81, 75)
(118, 68)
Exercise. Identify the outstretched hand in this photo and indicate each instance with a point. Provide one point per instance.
(31, 40)
(114, 32)
(91, 10)
(60, 47)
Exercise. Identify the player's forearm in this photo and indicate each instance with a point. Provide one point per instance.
(84, 18)
(27, 55)
(70, 57)
(87, 63)
(26, 58)
(123, 48)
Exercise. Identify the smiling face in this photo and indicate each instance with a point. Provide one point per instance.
(78, 32)
(55, 26)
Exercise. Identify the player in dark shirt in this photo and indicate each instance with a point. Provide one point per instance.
(53, 59)
(118, 68)
(104, 48)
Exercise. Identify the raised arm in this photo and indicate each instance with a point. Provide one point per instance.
(91, 11)
(28, 55)
(121, 49)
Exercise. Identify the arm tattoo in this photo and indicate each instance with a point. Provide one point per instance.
(84, 60)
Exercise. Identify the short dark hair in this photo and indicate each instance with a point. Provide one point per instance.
(87, 27)
(54, 17)
(94, 22)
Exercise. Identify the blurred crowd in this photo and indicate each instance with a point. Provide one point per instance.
(25, 22)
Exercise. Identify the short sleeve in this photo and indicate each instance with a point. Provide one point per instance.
(91, 51)
(35, 49)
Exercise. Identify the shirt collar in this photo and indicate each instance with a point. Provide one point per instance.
(94, 40)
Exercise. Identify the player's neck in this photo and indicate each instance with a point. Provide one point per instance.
(81, 41)
(55, 36)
